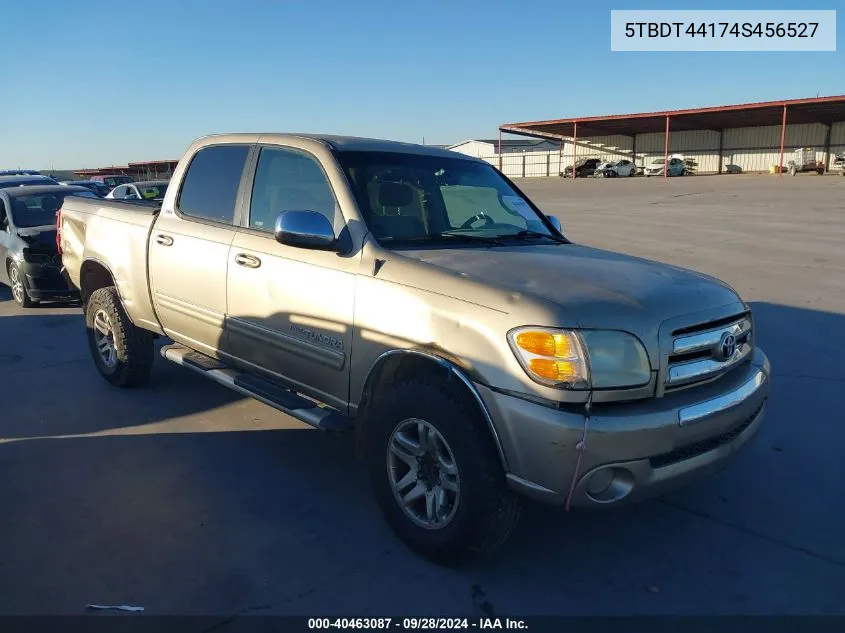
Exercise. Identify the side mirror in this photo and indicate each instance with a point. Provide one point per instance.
(305, 229)
(555, 223)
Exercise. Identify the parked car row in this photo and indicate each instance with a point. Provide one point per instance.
(29, 209)
(598, 168)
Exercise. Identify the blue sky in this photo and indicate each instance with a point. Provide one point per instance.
(87, 85)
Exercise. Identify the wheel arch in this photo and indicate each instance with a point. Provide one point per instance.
(94, 275)
(398, 363)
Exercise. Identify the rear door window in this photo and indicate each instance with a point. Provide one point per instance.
(210, 186)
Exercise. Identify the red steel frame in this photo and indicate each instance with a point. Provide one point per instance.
(666, 152)
(640, 115)
(500, 149)
(574, 148)
(782, 141)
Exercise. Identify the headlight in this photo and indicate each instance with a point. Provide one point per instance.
(582, 359)
(617, 359)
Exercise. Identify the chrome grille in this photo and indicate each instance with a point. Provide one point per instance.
(703, 352)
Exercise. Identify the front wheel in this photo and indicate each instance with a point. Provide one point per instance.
(19, 291)
(123, 353)
(436, 473)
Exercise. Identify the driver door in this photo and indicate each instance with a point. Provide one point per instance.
(289, 310)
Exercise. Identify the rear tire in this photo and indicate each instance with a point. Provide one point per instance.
(479, 511)
(122, 352)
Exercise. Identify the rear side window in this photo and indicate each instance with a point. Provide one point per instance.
(210, 186)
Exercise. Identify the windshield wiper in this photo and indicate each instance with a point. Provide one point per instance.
(466, 237)
(524, 234)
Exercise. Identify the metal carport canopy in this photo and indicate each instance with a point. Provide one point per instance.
(825, 110)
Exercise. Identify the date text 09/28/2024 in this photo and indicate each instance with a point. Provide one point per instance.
(416, 624)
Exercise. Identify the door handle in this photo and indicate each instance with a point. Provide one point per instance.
(164, 240)
(250, 261)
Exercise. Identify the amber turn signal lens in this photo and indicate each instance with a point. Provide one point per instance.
(557, 370)
(546, 344)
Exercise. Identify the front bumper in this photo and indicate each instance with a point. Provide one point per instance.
(633, 450)
(46, 282)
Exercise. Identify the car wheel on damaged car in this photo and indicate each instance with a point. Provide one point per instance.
(19, 291)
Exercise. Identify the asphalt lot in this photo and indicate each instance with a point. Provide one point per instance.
(187, 499)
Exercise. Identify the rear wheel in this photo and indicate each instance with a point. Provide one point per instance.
(436, 473)
(19, 291)
(122, 352)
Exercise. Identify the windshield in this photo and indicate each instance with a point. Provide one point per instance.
(406, 198)
(152, 192)
(114, 181)
(37, 210)
(657, 161)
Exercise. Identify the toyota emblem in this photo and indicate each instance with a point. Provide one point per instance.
(727, 346)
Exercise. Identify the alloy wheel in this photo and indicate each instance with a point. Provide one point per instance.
(423, 473)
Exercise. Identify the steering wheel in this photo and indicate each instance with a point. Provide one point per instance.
(481, 215)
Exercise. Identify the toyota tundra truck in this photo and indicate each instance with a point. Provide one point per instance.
(419, 299)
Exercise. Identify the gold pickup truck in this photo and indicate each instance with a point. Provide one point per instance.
(417, 297)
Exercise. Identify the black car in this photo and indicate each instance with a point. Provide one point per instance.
(29, 256)
(583, 168)
(101, 189)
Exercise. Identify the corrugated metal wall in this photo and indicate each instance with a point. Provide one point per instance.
(758, 148)
(751, 149)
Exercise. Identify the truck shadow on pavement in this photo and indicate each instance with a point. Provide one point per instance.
(185, 497)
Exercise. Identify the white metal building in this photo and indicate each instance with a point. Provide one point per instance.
(488, 147)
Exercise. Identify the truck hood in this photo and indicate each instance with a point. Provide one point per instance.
(593, 288)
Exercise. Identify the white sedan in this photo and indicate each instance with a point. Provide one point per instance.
(626, 168)
(622, 168)
(146, 190)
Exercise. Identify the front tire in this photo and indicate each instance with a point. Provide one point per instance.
(122, 352)
(16, 283)
(436, 473)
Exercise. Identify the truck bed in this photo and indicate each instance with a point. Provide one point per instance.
(111, 234)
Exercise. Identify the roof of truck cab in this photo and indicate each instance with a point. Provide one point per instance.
(346, 143)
